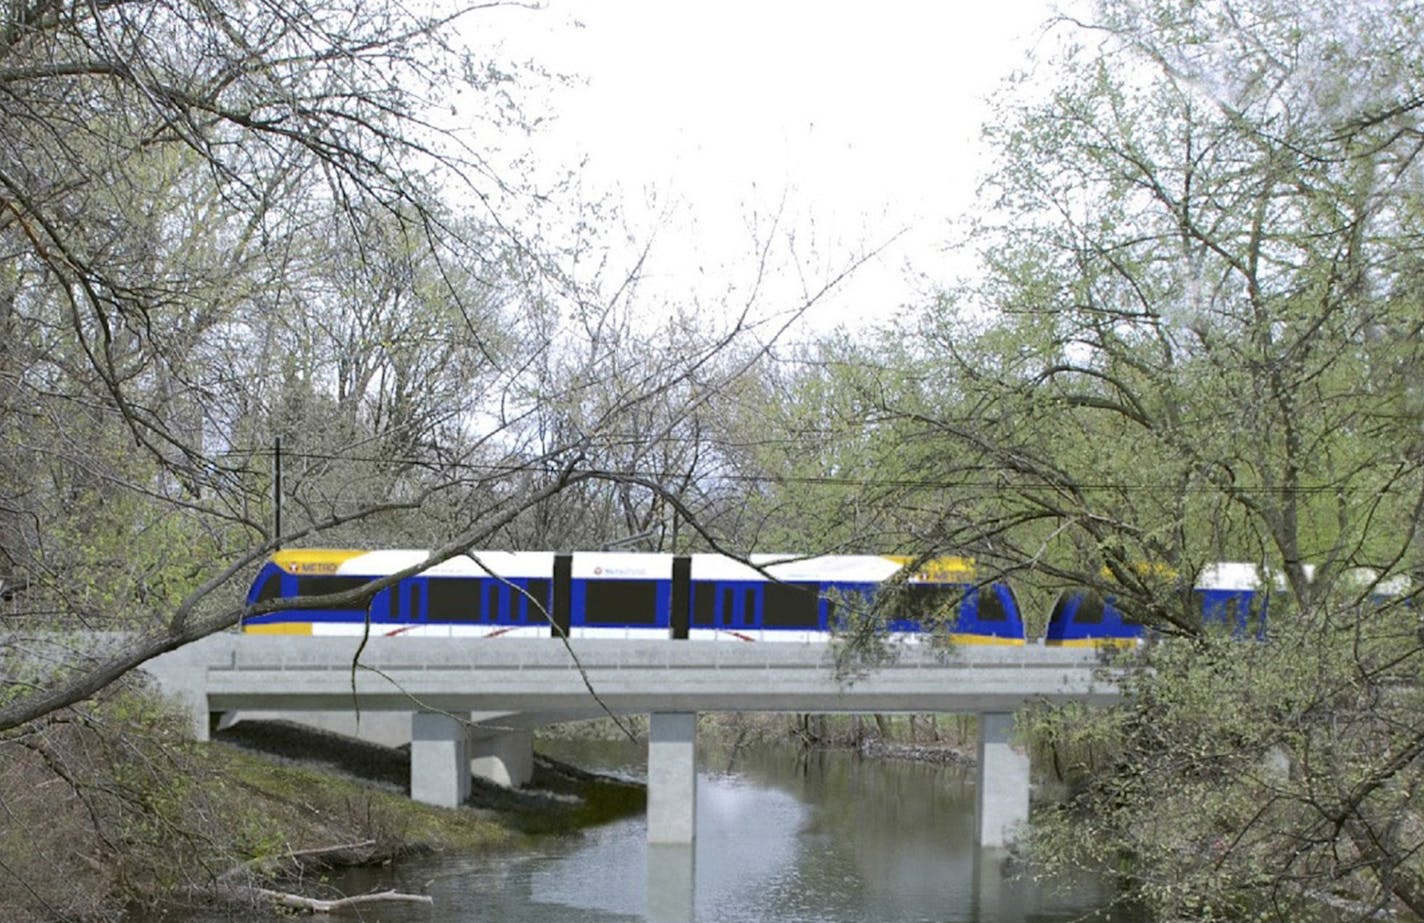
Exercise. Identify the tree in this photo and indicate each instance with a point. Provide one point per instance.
(1196, 339)
(222, 226)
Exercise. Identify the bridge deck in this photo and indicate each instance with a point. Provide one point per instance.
(256, 671)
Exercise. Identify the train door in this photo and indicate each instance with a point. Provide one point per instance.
(738, 607)
(534, 606)
(494, 602)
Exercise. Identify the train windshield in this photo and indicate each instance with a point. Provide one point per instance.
(323, 586)
(271, 588)
(991, 607)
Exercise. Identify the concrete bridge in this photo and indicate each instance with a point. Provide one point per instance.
(472, 703)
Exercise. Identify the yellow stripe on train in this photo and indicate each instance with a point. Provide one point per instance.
(1123, 643)
(314, 560)
(959, 637)
(939, 570)
(277, 628)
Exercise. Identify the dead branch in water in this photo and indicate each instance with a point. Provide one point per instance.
(316, 905)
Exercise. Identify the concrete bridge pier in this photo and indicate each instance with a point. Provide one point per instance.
(672, 777)
(1002, 793)
(505, 756)
(672, 877)
(439, 759)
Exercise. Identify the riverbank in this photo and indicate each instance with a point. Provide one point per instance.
(113, 813)
(950, 740)
(286, 763)
(559, 797)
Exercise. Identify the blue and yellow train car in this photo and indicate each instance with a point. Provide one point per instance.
(1086, 618)
(788, 598)
(492, 593)
(1227, 595)
(622, 594)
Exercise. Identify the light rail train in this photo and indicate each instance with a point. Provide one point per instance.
(631, 595)
(708, 596)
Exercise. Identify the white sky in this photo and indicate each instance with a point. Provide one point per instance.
(701, 119)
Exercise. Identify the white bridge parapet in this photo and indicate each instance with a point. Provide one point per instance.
(537, 676)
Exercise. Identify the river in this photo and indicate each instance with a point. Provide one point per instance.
(781, 836)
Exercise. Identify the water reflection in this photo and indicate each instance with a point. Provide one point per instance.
(672, 870)
(828, 838)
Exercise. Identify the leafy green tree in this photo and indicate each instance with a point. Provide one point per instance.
(224, 226)
(1196, 339)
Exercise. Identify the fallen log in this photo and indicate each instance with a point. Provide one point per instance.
(316, 905)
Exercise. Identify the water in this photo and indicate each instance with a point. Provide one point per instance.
(781, 837)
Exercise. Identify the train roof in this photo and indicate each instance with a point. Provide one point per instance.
(847, 568)
(347, 562)
(1229, 575)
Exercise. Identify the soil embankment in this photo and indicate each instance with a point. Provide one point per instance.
(559, 798)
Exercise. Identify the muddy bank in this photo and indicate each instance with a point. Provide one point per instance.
(558, 798)
(297, 803)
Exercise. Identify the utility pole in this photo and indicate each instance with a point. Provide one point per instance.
(277, 492)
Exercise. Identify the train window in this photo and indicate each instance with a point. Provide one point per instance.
(791, 605)
(453, 599)
(620, 602)
(847, 605)
(931, 603)
(271, 588)
(1090, 610)
(750, 598)
(416, 602)
(704, 605)
(322, 586)
(535, 605)
(991, 606)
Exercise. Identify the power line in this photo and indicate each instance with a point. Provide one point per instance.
(999, 482)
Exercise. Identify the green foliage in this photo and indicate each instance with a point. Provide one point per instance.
(1195, 338)
(1254, 780)
(112, 807)
(1204, 271)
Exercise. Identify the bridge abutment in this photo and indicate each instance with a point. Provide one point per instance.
(672, 777)
(505, 757)
(1003, 789)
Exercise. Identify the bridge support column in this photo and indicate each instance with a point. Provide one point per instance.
(504, 757)
(672, 777)
(1002, 796)
(672, 873)
(439, 760)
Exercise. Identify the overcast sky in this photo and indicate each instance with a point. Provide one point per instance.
(853, 121)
